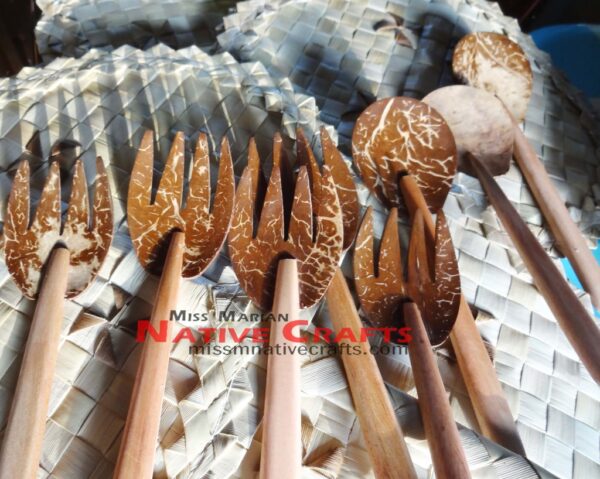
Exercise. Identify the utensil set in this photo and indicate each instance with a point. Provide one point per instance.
(286, 254)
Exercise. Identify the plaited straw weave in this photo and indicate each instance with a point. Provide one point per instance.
(212, 409)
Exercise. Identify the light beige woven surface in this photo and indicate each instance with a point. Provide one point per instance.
(213, 403)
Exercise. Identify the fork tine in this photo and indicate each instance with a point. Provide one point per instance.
(390, 256)
(170, 189)
(225, 193)
(140, 184)
(78, 212)
(47, 216)
(306, 157)
(446, 275)
(198, 198)
(243, 212)
(301, 219)
(364, 265)
(17, 218)
(102, 214)
(224, 196)
(346, 189)
(418, 265)
(271, 223)
(254, 167)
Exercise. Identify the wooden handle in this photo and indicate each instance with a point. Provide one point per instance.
(569, 239)
(579, 327)
(138, 443)
(24, 432)
(447, 454)
(383, 437)
(487, 397)
(281, 453)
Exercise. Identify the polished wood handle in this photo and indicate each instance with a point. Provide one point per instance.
(24, 434)
(139, 440)
(447, 454)
(579, 327)
(383, 437)
(568, 237)
(485, 392)
(281, 452)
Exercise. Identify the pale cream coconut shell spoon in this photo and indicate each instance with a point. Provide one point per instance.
(498, 65)
(475, 114)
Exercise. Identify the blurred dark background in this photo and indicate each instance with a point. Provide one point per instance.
(18, 19)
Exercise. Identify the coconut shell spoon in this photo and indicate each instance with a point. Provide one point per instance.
(383, 436)
(403, 135)
(478, 118)
(428, 304)
(176, 242)
(495, 63)
(284, 271)
(48, 263)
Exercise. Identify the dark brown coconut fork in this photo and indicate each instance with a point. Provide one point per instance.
(384, 439)
(494, 63)
(194, 234)
(402, 137)
(427, 304)
(314, 239)
(49, 262)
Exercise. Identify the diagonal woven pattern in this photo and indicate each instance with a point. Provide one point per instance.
(213, 403)
(534, 362)
(71, 27)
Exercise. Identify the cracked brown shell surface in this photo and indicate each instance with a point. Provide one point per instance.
(434, 288)
(480, 125)
(342, 177)
(381, 286)
(495, 63)
(151, 223)
(404, 135)
(381, 291)
(254, 257)
(27, 248)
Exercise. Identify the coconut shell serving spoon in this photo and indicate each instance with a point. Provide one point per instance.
(282, 271)
(404, 149)
(176, 242)
(383, 436)
(495, 63)
(473, 114)
(49, 263)
(428, 304)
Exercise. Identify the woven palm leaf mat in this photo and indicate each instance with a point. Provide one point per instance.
(213, 406)
(72, 27)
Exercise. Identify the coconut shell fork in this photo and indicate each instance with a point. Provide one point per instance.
(179, 242)
(284, 271)
(49, 263)
(428, 304)
(406, 146)
(383, 436)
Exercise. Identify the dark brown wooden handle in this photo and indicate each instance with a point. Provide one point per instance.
(24, 434)
(579, 327)
(138, 443)
(447, 454)
(383, 437)
(487, 397)
(569, 239)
